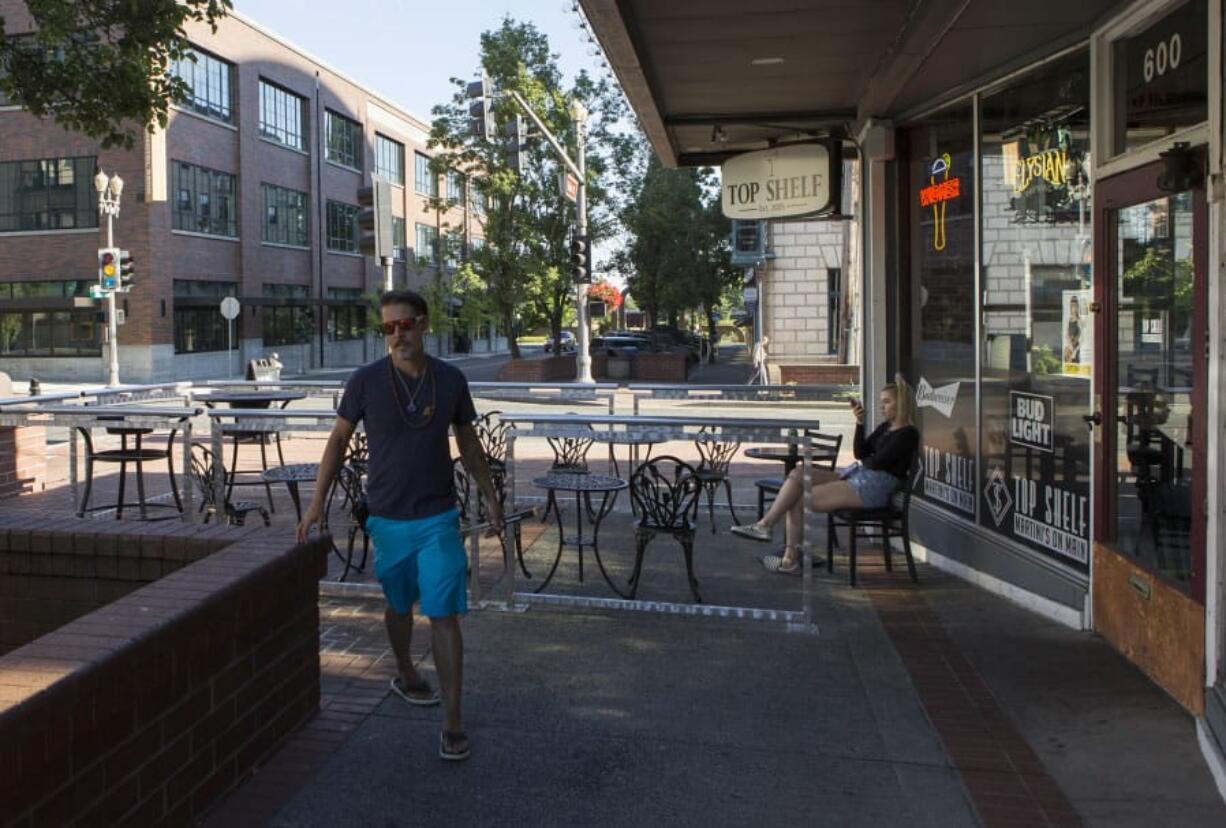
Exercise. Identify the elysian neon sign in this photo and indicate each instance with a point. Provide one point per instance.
(940, 191)
(1048, 165)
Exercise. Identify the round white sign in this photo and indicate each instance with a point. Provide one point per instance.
(229, 307)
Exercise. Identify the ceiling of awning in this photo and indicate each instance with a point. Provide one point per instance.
(711, 78)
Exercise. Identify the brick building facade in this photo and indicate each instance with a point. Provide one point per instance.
(250, 191)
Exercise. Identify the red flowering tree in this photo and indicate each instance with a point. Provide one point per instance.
(607, 293)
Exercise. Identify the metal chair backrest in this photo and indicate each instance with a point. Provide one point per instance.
(900, 500)
(570, 453)
(202, 474)
(716, 453)
(348, 483)
(463, 488)
(357, 453)
(492, 433)
(825, 448)
(665, 490)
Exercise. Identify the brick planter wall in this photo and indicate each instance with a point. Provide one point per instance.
(150, 708)
(549, 369)
(819, 374)
(23, 460)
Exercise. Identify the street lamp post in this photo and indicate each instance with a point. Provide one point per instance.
(109, 192)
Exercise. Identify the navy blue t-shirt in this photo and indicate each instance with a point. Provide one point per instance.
(410, 475)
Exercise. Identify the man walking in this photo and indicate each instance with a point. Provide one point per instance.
(407, 401)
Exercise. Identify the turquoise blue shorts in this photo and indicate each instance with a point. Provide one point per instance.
(421, 560)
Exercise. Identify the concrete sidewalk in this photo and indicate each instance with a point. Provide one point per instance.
(933, 704)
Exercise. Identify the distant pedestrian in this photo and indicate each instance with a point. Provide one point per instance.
(407, 401)
(761, 373)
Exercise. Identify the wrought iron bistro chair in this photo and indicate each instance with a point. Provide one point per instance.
(357, 458)
(716, 454)
(213, 498)
(569, 457)
(890, 521)
(136, 455)
(471, 514)
(492, 434)
(825, 451)
(665, 491)
(350, 485)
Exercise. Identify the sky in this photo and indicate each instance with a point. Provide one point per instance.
(407, 51)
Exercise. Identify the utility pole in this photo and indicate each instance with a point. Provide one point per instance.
(109, 192)
(583, 359)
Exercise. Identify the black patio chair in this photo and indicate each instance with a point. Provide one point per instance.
(463, 489)
(825, 452)
(136, 455)
(712, 472)
(890, 521)
(665, 491)
(214, 499)
(569, 457)
(357, 458)
(350, 485)
(492, 434)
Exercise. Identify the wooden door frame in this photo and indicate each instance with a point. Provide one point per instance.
(1126, 189)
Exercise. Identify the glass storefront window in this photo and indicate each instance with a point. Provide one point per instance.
(1037, 332)
(941, 197)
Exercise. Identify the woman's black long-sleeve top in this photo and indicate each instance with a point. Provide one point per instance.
(885, 450)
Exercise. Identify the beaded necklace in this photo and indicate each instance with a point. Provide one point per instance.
(410, 407)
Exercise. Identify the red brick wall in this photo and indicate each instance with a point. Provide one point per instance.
(549, 369)
(819, 374)
(23, 460)
(149, 709)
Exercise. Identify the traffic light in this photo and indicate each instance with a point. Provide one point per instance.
(580, 260)
(481, 110)
(375, 219)
(127, 269)
(516, 133)
(108, 268)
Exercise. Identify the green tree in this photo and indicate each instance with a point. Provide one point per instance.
(524, 261)
(677, 258)
(100, 67)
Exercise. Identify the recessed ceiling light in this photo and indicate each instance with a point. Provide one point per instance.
(766, 61)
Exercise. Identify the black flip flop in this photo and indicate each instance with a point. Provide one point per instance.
(425, 694)
(447, 746)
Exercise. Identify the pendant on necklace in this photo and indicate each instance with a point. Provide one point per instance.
(411, 407)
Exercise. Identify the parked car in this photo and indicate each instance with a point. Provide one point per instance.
(618, 346)
(567, 344)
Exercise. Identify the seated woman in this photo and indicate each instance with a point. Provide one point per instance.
(884, 459)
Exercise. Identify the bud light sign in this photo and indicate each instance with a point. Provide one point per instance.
(1031, 420)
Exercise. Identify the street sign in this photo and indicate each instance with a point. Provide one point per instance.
(121, 316)
(229, 308)
(570, 185)
(751, 296)
(96, 292)
(229, 311)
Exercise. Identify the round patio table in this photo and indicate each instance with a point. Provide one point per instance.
(291, 476)
(584, 485)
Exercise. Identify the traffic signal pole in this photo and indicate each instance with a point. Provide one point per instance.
(109, 191)
(583, 359)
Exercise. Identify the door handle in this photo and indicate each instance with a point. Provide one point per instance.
(1095, 419)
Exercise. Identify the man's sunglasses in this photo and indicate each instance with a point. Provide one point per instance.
(406, 324)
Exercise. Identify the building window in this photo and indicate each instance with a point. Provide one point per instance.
(342, 227)
(285, 216)
(288, 323)
(399, 242)
(1037, 336)
(282, 116)
(425, 181)
(50, 332)
(344, 144)
(204, 201)
(834, 308)
(199, 325)
(478, 201)
(389, 159)
(427, 240)
(941, 201)
(346, 314)
(48, 194)
(208, 80)
(455, 188)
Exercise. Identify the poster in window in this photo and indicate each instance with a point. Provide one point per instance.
(1077, 330)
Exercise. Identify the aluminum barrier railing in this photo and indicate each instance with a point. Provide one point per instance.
(658, 429)
(131, 394)
(57, 397)
(740, 393)
(312, 388)
(73, 417)
(547, 391)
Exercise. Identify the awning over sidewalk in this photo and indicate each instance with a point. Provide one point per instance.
(709, 79)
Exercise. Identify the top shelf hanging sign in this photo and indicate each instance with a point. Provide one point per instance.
(785, 182)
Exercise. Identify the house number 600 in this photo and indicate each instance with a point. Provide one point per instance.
(1163, 57)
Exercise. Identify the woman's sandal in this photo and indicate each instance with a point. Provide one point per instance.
(774, 563)
(420, 694)
(453, 745)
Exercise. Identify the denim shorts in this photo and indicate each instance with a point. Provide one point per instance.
(873, 487)
(421, 560)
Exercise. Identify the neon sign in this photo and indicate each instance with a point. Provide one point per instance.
(940, 191)
(1048, 165)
